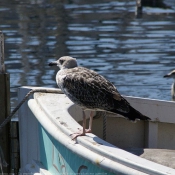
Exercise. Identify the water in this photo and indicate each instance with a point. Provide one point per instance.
(106, 36)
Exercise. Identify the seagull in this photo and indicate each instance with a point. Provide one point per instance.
(171, 75)
(91, 91)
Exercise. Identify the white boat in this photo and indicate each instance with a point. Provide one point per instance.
(47, 120)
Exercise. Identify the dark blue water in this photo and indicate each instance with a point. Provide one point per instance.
(106, 36)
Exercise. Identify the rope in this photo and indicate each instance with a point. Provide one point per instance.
(104, 125)
(24, 99)
(103, 115)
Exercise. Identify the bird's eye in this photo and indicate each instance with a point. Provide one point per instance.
(61, 61)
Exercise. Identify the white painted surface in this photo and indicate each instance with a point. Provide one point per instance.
(160, 112)
(28, 131)
(152, 134)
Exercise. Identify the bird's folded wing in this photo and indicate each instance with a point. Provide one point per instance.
(88, 86)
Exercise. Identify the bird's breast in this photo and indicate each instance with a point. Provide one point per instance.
(60, 78)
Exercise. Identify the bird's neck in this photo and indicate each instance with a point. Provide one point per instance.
(63, 68)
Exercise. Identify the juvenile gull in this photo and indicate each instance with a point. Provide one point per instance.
(91, 91)
(171, 75)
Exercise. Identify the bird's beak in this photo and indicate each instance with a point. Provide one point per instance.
(166, 76)
(53, 63)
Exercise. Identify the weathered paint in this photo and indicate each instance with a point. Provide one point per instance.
(60, 160)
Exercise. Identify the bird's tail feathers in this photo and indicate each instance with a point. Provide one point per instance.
(132, 115)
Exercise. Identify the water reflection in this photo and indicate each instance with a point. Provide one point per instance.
(133, 53)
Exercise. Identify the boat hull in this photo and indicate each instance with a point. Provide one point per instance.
(49, 121)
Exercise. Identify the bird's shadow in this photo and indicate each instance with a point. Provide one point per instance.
(135, 151)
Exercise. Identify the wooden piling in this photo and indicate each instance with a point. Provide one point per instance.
(4, 106)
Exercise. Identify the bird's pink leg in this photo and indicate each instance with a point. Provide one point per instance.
(89, 130)
(90, 123)
(82, 132)
(84, 126)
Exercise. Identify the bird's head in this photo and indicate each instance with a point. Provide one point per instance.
(170, 75)
(64, 62)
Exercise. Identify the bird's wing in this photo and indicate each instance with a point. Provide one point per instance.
(93, 89)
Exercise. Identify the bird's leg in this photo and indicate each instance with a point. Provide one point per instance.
(84, 128)
(89, 130)
(90, 123)
(84, 123)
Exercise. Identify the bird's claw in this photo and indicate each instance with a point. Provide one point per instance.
(80, 133)
(77, 135)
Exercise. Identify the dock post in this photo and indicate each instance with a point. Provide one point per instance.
(4, 107)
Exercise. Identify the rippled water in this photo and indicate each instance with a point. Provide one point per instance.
(106, 36)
